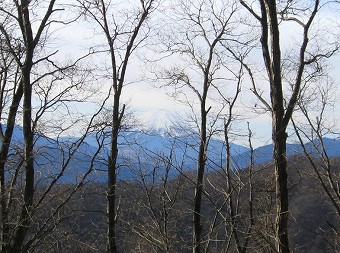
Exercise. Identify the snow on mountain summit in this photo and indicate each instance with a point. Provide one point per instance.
(158, 120)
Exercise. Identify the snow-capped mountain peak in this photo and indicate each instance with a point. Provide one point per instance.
(157, 120)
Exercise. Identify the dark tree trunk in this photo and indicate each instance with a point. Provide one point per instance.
(282, 211)
(3, 158)
(272, 58)
(25, 216)
(112, 176)
(197, 233)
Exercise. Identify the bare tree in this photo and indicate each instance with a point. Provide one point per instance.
(312, 132)
(123, 31)
(197, 79)
(23, 88)
(270, 15)
(160, 201)
(31, 87)
(315, 132)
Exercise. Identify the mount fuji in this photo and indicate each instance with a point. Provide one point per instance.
(143, 151)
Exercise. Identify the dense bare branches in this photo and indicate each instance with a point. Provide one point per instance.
(32, 87)
(123, 30)
(202, 72)
(271, 15)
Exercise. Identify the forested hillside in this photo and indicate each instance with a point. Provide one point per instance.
(155, 215)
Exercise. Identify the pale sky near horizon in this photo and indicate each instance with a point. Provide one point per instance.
(142, 97)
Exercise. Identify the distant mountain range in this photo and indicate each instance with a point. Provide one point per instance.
(265, 153)
(143, 152)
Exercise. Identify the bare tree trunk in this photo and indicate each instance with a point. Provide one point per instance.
(25, 217)
(3, 158)
(197, 232)
(281, 114)
(30, 44)
(24, 220)
(112, 176)
(279, 134)
(231, 190)
(282, 208)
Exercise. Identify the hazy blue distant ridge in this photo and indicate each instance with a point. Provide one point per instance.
(137, 145)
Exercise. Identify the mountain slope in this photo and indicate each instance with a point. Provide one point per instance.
(265, 153)
(144, 152)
